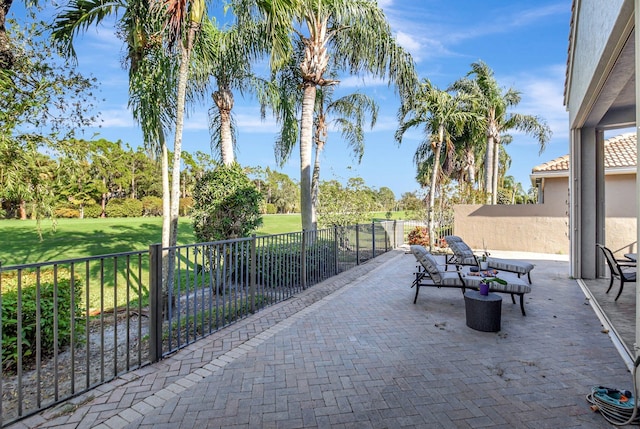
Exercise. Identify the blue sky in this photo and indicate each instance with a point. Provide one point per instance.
(524, 42)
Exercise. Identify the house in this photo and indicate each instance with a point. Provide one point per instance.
(600, 96)
(620, 166)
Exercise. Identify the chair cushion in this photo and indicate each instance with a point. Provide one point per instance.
(462, 252)
(514, 285)
(512, 265)
(427, 261)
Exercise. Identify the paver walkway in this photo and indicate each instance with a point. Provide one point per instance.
(355, 352)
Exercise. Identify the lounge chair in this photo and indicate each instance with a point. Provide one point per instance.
(433, 274)
(619, 269)
(463, 255)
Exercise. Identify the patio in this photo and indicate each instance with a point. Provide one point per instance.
(354, 351)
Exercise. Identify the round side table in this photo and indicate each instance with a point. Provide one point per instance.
(483, 312)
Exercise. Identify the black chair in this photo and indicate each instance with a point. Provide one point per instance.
(620, 269)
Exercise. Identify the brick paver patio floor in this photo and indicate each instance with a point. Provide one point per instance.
(355, 352)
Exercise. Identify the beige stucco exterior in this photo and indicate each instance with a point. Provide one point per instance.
(539, 228)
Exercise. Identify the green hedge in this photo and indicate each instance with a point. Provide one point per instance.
(29, 312)
(124, 207)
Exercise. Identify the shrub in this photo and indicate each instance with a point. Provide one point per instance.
(67, 212)
(65, 314)
(227, 205)
(419, 235)
(123, 207)
(271, 208)
(92, 211)
(151, 206)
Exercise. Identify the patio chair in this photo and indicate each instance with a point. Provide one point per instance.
(463, 255)
(620, 269)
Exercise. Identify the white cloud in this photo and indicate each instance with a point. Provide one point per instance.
(117, 118)
(542, 95)
(361, 82)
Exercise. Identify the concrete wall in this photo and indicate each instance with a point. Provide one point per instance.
(539, 228)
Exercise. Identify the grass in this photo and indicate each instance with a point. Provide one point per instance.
(78, 238)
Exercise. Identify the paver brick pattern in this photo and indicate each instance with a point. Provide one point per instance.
(355, 352)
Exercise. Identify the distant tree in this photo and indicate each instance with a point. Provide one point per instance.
(344, 205)
(386, 199)
(227, 205)
(39, 92)
(410, 202)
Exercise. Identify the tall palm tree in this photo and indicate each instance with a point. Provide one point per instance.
(348, 115)
(353, 34)
(225, 55)
(494, 106)
(441, 115)
(152, 75)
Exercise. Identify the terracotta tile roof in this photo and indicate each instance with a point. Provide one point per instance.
(619, 152)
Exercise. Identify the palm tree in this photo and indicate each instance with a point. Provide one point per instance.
(349, 115)
(351, 33)
(225, 54)
(494, 105)
(442, 115)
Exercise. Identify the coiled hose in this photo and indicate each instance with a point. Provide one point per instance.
(618, 407)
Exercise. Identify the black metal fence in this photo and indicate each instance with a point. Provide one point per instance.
(68, 326)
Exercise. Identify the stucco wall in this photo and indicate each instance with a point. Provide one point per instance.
(620, 195)
(537, 228)
(556, 194)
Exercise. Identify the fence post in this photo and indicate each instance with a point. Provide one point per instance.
(357, 244)
(303, 260)
(252, 273)
(155, 302)
(335, 249)
(373, 239)
(395, 234)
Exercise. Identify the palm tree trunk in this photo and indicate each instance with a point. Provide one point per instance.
(488, 168)
(494, 179)
(166, 207)
(315, 178)
(183, 75)
(434, 184)
(224, 100)
(306, 145)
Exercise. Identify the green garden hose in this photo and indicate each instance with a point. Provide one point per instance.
(618, 407)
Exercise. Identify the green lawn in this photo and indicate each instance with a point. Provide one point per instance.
(76, 238)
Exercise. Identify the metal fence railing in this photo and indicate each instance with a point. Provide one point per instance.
(68, 326)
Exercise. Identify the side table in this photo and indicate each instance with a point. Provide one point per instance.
(483, 312)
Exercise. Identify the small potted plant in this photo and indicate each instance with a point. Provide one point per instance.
(483, 262)
(484, 284)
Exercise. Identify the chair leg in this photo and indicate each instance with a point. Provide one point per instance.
(522, 304)
(417, 290)
(529, 276)
(513, 299)
(610, 283)
(621, 286)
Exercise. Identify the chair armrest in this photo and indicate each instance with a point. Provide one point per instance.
(626, 263)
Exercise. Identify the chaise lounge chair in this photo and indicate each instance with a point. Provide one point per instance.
(463, 255)
(434, 275)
